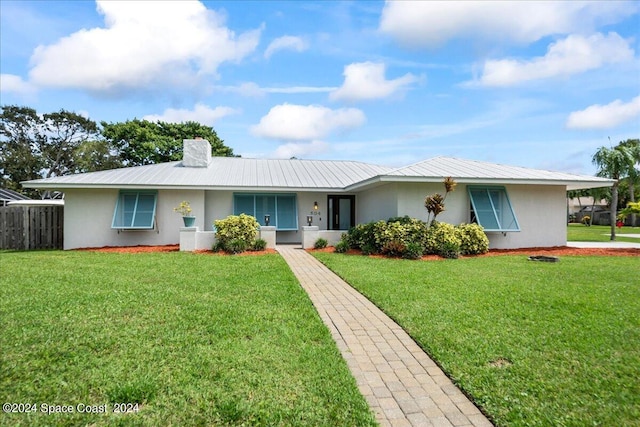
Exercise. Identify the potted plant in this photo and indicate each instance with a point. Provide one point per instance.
(184, 209)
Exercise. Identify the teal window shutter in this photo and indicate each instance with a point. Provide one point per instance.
(287, 212)
(281, 208)
(135, 210)
(492, 209)
(244, 204)
(265, 205)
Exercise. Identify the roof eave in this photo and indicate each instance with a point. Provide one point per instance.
(72, 186)
(570, 184)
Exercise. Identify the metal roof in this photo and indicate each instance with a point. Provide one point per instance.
(7, 195)
(238, 173)
(226, 173)
(474, 171)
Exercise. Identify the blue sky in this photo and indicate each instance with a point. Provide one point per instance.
(535, 84)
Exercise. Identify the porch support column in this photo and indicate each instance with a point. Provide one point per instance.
(268, 233)
(309, 236)
(188, 238)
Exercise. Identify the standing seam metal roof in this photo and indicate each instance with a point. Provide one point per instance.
(226, 172)
(278, 174)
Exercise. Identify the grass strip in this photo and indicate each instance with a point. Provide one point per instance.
(600, 233)
(192, 339)
(534, 344)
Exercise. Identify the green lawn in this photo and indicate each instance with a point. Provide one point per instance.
(194, 339)
(533, 343)
(600, 233)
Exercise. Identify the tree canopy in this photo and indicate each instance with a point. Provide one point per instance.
(40, 146)
(141, 142)
(44, 145)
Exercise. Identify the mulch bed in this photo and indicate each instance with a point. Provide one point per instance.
(553, 251)
(166, 248)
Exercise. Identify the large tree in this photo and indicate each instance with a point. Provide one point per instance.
(96, 155)
(141, 142)
(21, 140)
(65, 133)
(40, 146)
(613, 163)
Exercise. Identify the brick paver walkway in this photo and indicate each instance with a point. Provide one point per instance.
(402, 385)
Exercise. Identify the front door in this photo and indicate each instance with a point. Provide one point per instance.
(342, 212)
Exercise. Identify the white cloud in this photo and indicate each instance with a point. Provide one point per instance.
(200, 113)
(296, 44)
(143, 44)
(366, 80)
(300, 150)
(10, 83)
(605, 116)
(306, 122)
(432, 23)
(572, 55)
(299, 89)
(251, 89)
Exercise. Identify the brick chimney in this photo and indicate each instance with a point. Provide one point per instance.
(196, 153)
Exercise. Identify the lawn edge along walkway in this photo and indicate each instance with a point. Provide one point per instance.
(400, 382)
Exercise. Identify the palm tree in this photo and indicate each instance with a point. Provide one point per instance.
(633, 173)
(613, 163)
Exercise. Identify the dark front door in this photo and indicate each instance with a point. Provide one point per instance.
(342, 212)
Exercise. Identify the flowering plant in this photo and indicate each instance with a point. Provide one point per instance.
(184, 208)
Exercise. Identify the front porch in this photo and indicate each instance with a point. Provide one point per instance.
(192, 239)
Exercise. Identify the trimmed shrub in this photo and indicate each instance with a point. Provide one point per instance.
(235, 246)
(259, 245)
(449, 249)
(442, 237)
(320, 243)
(393, 248)
(236, 227)
(411, 238)
(473, 240)
(341, 247)
(217, 246)
(387, 236)
(369, 250)
(412, 251)
(364, 235)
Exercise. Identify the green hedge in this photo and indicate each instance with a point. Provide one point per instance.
(236, 233)
(410, 238)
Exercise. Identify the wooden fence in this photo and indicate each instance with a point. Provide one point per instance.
(31, 227)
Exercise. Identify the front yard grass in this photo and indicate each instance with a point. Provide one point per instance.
(534, 344)
(193, 339)
(600, 233)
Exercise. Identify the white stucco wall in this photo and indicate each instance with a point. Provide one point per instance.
(541, 211)
(89, 213)
(218, 205)
(411, 197)
(377, 203)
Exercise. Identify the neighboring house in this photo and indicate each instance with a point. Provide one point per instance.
(518, 207)
(578, 204)
(7, 196)
(579, 207)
